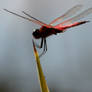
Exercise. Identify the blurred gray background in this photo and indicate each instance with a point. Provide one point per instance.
(67, 65)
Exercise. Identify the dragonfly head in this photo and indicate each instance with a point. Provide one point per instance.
(36, 33)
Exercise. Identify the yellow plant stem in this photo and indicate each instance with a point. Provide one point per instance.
(43, 84)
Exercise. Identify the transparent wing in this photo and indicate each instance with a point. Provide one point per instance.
(69, 13)
(34, 20)
(78, 17)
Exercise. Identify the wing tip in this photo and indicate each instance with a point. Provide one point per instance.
(5, 9)
(79, 5)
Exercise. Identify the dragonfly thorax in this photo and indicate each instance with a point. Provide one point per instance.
(36, 34)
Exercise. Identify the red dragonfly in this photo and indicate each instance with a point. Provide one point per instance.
(52, 28)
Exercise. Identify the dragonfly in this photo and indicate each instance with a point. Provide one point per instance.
(58, 25)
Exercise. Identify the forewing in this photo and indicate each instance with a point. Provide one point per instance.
(34, 20)
(78, 17)
(69, 13)
(40, 22)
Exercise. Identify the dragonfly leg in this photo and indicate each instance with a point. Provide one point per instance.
(41, 45)
(44, 49)
(45, 45)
